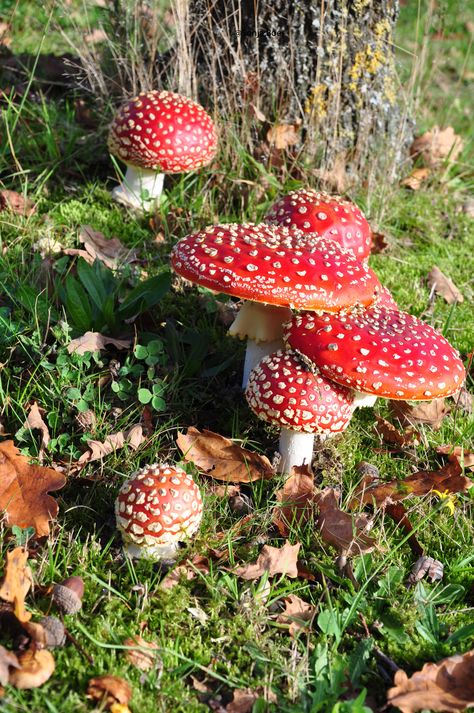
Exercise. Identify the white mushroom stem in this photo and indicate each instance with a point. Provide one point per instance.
(139, 189)
(255, 352)
(362, 399)
(262, 326)
(296, 448)
(164, 551)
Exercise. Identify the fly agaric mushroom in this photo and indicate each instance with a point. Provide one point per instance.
(385, 299)
(284, 390)
(157, 133)
(278, 268)
(380, 352)
(330, 216)
(158, 507)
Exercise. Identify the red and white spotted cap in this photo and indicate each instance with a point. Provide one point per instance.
(159, 506)
(275, 265)
(163, 131)
(331, 216)
(385, 299)
(282, 389)
(379, 351)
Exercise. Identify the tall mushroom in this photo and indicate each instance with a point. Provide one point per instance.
(275, 270)
(285, 391)
(330, 216)
(157, 133)
(380, 352)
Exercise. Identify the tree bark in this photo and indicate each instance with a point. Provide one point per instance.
(326, 65)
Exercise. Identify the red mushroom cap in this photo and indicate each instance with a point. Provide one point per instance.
(379, 351)
(163, 131)
(160, 505)
(330, 216)
(275, 265)
(282, 389)
(385, 299)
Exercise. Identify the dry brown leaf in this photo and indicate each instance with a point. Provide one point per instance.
(426, 567)
(35, 420)
(5, 34)
(416, 178)
(457, 453)
(16, 203)
(431, 413)
(437, 145)
(296, 498)
(109, 690)
(444, 287)
(225, 491)
(449, 478)
(274, 560)
(96, 36)
(110, 251)
(340, 529)
(399, 515)
(444, 686)
(143, 658)
(221, 458)
(7, 660)
(380, 242)
(283, 135)
(298, 614)
(24, 490)
(37, 665)
(337, 178)
(94, 342)
(132, 437)
(16, 582)
(186, 570)
(259, 115)
(392, 435)
(243, 701)
(464, 400)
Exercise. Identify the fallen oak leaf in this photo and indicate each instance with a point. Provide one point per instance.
(109, 690)
(437, 145)
(431, 413)
(458, 453)
(243, 701)
(444, 286)
(296, 500)
(416, 178)
(449, 478)
(298, 614)
(24, 490)
(94, 342)
(143, 654)
(111, 251)
(16, 582)
(341, 529)
(34, 420)
(132, 437)
(16, 203)
(273, 560)
(36, 667)
(392, 435)
(444, 686)
(186, 571)
(221, 458)
(283, 135)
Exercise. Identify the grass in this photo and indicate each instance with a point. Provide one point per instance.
(216, 627)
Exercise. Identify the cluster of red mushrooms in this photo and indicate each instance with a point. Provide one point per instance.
(323, 335)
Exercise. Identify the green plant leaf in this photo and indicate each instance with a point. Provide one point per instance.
(144, 396)
(78, 307)
(145, 295)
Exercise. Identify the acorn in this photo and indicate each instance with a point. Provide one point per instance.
(55, 634)
(68, 595)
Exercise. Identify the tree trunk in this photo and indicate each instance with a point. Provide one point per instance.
(326, 66)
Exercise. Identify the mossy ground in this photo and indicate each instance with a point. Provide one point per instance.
(217, 627)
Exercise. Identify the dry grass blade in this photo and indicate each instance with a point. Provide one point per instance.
(221, 458)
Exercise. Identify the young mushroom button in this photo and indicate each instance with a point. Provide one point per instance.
(379, 351)
(285, 391)
(158, 507)
(276, 267)
(330, 216)
(157, 133)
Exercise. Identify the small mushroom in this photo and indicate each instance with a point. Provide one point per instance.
(158, 507)
(330, 216)
(286, 391)
(274, 269)
(157, 133)
(379, 351)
